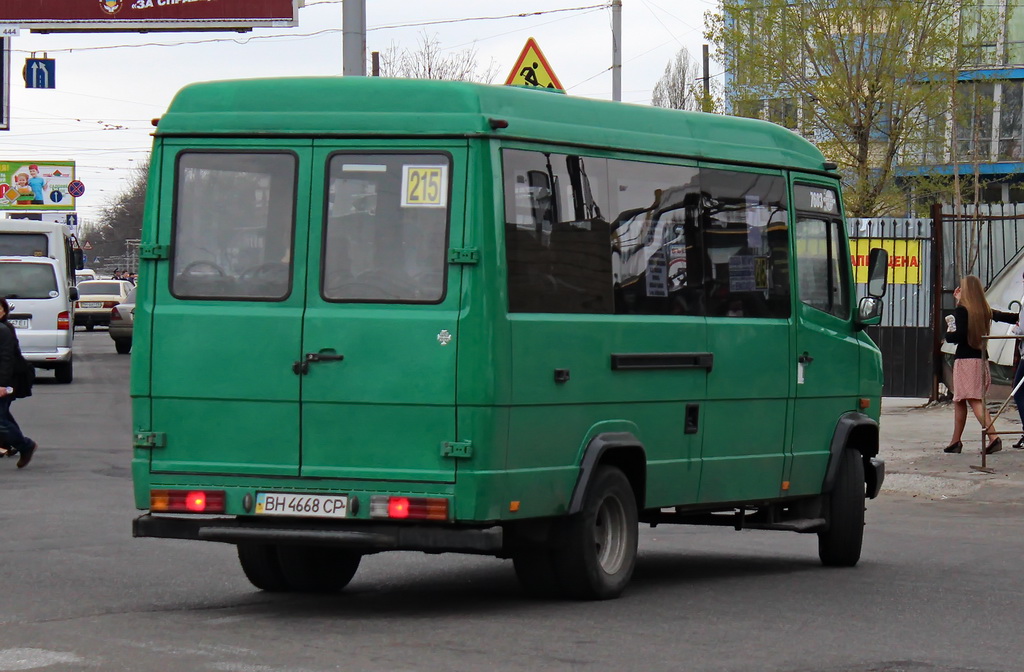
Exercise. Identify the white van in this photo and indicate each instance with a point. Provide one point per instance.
(41, 311)
(31, 238)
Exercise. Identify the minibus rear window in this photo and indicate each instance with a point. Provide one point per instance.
(23, 244)
(386, 234)
(233, 223)
(21, 280)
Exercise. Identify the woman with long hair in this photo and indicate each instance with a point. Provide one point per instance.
(971, 377)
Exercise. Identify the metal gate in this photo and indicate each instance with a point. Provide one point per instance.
(927, 258)
(906, 335)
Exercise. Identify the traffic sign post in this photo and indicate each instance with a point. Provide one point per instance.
(40, 73)
(532, 70)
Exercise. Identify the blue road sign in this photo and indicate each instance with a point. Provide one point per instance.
(71, 219)
(40, 73)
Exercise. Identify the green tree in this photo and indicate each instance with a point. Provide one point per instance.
(869, 81)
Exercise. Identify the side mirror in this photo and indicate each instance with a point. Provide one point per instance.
(73, 293)
(878, 272)
(869, 311)
(79, 259)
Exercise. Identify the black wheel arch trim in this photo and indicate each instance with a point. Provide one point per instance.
(593, 455)
(856, 431)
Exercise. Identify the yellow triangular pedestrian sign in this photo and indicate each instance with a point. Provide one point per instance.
(532, 70)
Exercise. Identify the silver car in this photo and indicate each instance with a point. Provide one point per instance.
(122, 318)
(40, 311)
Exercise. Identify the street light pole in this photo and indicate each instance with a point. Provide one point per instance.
(616, 49)
(353, 30)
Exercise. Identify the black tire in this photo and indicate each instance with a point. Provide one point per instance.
(64, 372)
(536, 573)
(596, 548)
(262, 567)
(317, 569)
(840, 544)
(123, 346)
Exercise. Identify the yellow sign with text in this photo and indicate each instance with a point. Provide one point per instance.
(904, 259)
(532, 70)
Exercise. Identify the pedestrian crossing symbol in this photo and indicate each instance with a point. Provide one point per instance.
(532, 70)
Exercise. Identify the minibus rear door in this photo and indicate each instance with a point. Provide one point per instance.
(379, 358)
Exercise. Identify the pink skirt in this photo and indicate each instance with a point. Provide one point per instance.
(971, 378)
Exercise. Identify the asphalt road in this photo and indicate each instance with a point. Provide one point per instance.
(939, 588)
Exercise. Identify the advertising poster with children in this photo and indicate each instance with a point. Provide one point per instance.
(36, 185)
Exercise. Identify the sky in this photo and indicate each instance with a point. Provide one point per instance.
(110, 86)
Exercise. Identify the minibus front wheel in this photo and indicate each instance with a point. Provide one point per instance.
(595, 557)
(840, 544)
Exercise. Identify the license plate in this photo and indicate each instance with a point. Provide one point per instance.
(20, 324)
(92, 304)
(298, 504)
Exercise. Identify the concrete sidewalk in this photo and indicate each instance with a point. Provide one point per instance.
(913, 434)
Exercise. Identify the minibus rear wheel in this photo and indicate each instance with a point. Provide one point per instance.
(595, 558)
(317, 569)
(840, 544)
(261, 567)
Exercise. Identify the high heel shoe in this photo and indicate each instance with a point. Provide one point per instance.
(994, 447)
(954, 447)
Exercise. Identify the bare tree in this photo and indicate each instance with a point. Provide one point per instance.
(121, 217)
(680, 88)
(429, 62)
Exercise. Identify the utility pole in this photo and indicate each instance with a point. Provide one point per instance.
(353, 30)
(705, 104)
(616, 49)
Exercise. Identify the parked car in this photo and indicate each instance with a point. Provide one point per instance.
(40, 311)
(96, 298)
(122, 317)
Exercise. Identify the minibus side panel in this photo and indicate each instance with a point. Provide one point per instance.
(828, 348)
(746, 234)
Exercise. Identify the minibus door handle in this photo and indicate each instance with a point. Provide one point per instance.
(301, 367)
(805, 358)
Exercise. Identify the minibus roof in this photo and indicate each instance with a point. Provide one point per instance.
(382, 107)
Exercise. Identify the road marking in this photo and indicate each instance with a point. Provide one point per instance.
(30, 659)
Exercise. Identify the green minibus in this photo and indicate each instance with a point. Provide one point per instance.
(383, 314)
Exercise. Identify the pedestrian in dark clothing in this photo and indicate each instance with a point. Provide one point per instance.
(972, 320)
(10, 354)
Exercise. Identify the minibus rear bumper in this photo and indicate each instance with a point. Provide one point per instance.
(368, 537)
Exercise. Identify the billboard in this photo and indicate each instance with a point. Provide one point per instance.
(145, 15)
(37, 186)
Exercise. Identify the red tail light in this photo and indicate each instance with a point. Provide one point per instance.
(187, 501)
(109, 304)
(64, 321)
(114, 315)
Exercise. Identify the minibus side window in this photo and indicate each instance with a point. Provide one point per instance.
(590, 235)
(557, 240)
(386, 234)
(746, 235)
(233, 224)
(821, 254)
